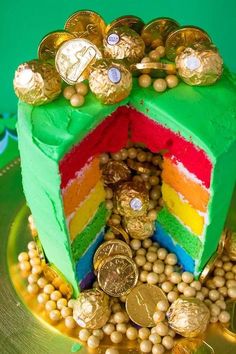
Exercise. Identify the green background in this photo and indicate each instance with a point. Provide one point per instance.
(24, 22)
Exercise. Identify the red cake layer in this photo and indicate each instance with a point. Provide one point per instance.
(113, 133)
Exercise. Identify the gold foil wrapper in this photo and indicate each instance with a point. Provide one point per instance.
(145, 167)
(133, 22)
(188, 317)
(141, 304)
(230, 245)
(117, 275)
(200, 67)
(110, 81)
(74, 59)
(36, 82)
(132, 199)
(139, 227)
(87, 24)
(124, 43)
(192, 346)
(209, 267)
(91, 309)
(115, 171)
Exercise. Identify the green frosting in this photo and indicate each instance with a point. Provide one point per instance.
(83, 240)
(190, 242)
(204, 115)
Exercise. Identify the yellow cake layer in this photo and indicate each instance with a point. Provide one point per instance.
(86, 210)
(197, 195)
(78, 189)
(182, 210)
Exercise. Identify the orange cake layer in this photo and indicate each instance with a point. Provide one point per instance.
(77, 190)
(183, 210)
(197, 195)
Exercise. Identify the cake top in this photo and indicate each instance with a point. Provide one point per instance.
(206, 115)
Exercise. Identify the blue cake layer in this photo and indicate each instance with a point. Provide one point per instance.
(165, 240)
(84, 266)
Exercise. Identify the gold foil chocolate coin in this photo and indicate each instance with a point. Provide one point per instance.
(37, 82)
(156, 31)
(115, 171)
(154, 66)
(199, 66)
(183, 38)
(74, 59)
(87, 24)
(230, 245)
(110, 248)
(133, 22)
(209, 267)
(110, 81)
(91, 309)
(117, 275)
(188, 317)
(132, 199)
(51, 42)
(141, 304)
(124, 43)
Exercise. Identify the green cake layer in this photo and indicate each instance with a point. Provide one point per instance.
(83, 240)
(180, 234)
(203, 115)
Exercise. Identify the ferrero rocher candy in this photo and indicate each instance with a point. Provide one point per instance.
(87, 24)
(115, 171)
(117, 275)
(110, 81)
(91, 309)
(139, 227)
(74, 59)
(200, 67)
(230, 245)
(156, 31)
(124, 43)
(133, 22)
(132, 199)
(188, 317)
(36, 82)
(51, 42)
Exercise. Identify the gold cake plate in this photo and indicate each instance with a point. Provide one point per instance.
(24, 326)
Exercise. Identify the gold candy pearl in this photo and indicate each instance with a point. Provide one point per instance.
(23, 256)
(42, 282)
(54, 315)
(162, 305)
(109, 204)
(135, 244)
(145, 346)
(132, 153)
(68, 92)
(144, 333)
(48, 289)
(155, 338)
(121, 327)
(158, 316)
(158, 349)
(81, 88)
(151, 256)
(172, 296)
(132, 333)
(31, 245)
(84, 334)
(66, 311)
(104, 158)
(33, 253)
(147, 243)
(116, 337)
(119, 317)
(50, 305)
(37, 269)
(162, 329)
(152, 278)
(93, 342)
(189, 292)
(144, 80)
(152, 214)
(62, 302)
(77, 100)
(108, 329)
(172, 81)
(70, 322)
(159, 85)
(25, 266)
(187, 277)
(109, 193)
(171, 259)
(32, 278)
(224, 317)
(112, 351)
(35, 261)
(154, 180)
(161, 51)
(154, 55)
(232, 292)
(42, 298)
(168, 342)
(55, 295)
(32, 288)
(98, 333)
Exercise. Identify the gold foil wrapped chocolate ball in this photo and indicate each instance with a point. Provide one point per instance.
(115, 171)
(110, 81)
(139, 227)
(91, 309)
(188, 317)
(199, 66)
(124, 43)
(230, 245)
(36, 82)
(132, 199)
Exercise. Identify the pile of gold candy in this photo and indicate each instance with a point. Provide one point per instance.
(141, 299)
(110, 56)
